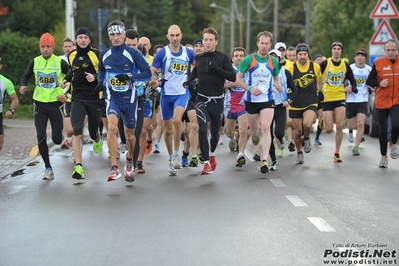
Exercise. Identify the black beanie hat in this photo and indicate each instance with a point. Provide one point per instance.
(82, 30)
(197, 41)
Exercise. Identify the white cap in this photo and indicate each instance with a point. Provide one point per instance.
(275, 51)
(279, 45)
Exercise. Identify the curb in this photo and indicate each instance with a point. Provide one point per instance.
(34, 152)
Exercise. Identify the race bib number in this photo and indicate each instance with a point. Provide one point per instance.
(335, 79)
(47, 81)
(360, 80)
(178, 67)
(116, 84)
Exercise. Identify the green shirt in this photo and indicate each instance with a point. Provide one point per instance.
(6, 86)
(246, 62)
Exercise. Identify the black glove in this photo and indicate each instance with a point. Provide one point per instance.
(162, 82)
(123, 77)
(186, 84)
(320, 96)
(354, 89)
(154, 93)
(99, 87)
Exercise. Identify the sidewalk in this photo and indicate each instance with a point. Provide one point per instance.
(19, 139)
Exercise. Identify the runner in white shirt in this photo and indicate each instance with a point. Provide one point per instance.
(356, 104)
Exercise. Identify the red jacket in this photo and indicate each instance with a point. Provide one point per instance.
(386, 97)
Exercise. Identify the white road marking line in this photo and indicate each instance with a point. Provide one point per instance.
(277, 182)
(296, 201)
(321, 224)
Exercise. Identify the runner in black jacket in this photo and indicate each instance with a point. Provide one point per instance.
(212, 68)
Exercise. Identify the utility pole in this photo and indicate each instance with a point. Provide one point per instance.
(248, 29)
(307, 23)
(96, 24)
(275, 22)
(232, 26)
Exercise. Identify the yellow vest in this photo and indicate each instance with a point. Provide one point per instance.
(333, 81)
(48, 75)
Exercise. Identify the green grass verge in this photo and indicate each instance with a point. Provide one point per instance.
(22, 112)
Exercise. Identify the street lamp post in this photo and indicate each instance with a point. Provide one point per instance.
(232, 27)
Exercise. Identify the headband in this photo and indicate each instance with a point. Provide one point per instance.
(337, 44)
(362, 52)
(302, 48)
(116, 29)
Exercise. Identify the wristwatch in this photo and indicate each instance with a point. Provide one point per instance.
(12, 111)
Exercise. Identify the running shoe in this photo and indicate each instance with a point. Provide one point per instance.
(156, 148)
(394, 151)
(274, 166)
(114, 174)
(78, 172)
(280, 153)
(172, 171)
(48, 174)
(291, 146)
(350, 137)
(200, 158)
(383, 162)
(308, 145)
(97, 146)
(184, 161)
(65, 144)
(122, 148)
(140, 168)
(363, 139)
(257, 156)
(240, 160)
(176, 162)
(212, 161)
(264, 168)
(129, 171)
(255, 140)
(317, 141)
(193, 161)
(355, 151)
(207, 169)
(233, 143)
(149, 147)
(337, 158)
(299, 158)
(220, 142)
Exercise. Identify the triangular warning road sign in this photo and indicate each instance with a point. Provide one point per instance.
(385, 9)
(383, 33)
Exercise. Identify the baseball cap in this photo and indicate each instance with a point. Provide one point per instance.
(197, 41)
(280, 45)
(275, 51)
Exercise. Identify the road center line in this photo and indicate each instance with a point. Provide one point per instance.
(322, 225)
(296, 201)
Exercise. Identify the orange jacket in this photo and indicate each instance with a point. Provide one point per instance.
(386, 97)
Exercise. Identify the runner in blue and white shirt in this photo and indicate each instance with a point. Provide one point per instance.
(174, 61)
(119, 67)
